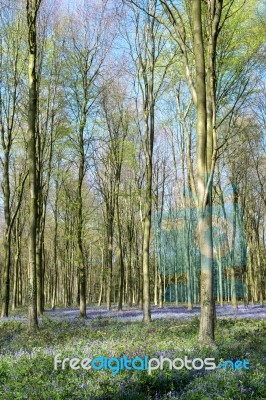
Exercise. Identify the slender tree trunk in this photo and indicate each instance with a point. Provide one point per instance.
(55, 244)
(81, 260)
(138, 263)
(38, 223)
(102, 274)
(16, 266)
(39, 270)
(206, 332)
(232, 268)
(7, 234)
(155, 291)
(120, 256)
(6, 276)
(220, 274)
(129, 268)
(109, 253)
(146, 245)
(32, 10)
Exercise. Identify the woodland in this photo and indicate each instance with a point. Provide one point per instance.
(133, 155)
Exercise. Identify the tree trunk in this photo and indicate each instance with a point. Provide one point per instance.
(109, 253)
(206, 332)
(146, 244)
(7, 234)
(81, 261)
(120, 256)
(32, 10)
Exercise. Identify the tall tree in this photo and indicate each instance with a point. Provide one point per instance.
(86, 51)
(147, 55)
(203, 95)
(11, 55)
(32, 13)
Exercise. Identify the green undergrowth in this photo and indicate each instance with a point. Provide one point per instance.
(27, 360)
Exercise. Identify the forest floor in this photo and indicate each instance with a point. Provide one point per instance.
(27, 359)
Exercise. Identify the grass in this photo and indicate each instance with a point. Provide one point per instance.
(27, 371)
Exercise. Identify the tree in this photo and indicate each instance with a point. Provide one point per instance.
(12, 52)
(203, 95)
(147, 55)
(85, 52)
(32, 13)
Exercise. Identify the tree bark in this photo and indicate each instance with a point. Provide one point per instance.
(32, 11)
(206, 332)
